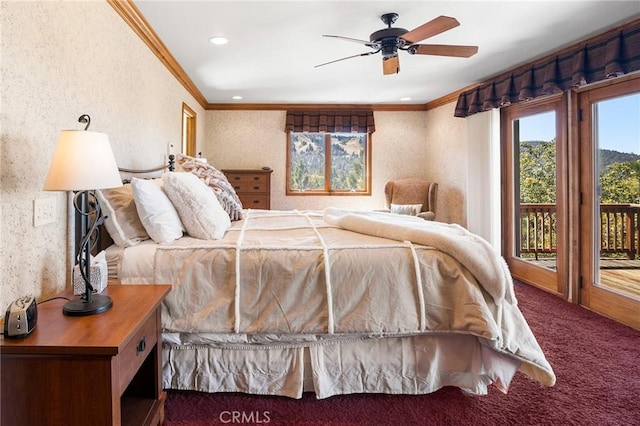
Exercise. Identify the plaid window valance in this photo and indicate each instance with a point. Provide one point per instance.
(330, 121)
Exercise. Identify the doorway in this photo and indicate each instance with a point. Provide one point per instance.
(188, 145)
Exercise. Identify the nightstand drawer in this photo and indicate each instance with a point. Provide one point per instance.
(136, 351)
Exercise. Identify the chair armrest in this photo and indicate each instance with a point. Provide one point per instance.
(427, 215)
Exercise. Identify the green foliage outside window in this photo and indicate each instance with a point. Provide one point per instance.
(619, 174)
(619, 183)
(346, 164)
(538, 172)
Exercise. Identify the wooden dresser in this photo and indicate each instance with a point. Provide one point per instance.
(103, 369)
(252, 186)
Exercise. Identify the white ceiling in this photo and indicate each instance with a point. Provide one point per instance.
(274, 45)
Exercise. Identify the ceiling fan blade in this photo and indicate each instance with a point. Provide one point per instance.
(348, 57)
(355, 40)
(431, 28)
(444, 50)
(391, 65)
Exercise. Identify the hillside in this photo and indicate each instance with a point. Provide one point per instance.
(607, 156)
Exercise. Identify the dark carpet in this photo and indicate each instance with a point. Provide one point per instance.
(596, 361)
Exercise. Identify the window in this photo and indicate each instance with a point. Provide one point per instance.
(188, 131)
(328, 163)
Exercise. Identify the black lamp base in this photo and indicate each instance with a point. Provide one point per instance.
(80, 307)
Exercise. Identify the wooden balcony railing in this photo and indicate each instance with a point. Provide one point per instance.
(619, 224)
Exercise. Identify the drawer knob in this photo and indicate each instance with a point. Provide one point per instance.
(236, 177)
(256, 201)
(256, 187)
(256, 178)
(142, 345)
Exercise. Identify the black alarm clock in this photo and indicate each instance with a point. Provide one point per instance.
(21, 317)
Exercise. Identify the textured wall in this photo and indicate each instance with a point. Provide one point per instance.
(60, 60)
(402, 147)
(447, 153)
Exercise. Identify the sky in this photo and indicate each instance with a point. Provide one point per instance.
(618, 125)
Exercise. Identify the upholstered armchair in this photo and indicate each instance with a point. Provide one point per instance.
(412, 196)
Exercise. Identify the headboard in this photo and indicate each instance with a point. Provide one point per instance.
(103, 239)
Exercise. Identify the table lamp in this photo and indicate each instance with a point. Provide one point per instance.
(83, 162)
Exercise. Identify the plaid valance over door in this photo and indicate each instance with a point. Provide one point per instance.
(608, 55)
(330, 121)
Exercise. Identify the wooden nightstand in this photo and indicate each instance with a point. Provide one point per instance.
(103, 369)
(252, 186)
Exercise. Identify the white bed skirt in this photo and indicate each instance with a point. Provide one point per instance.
(418, 364)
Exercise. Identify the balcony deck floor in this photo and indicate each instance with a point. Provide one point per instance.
(619, 274)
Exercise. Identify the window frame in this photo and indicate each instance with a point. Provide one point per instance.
(327, 191)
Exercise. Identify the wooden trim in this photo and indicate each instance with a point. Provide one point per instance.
(189, 117)
(132, 16)
(608, 82)
(315, 107)
(447, 99)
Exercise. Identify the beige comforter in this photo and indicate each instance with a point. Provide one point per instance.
(345, 273)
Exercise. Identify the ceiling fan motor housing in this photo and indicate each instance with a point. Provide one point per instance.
(389, 40)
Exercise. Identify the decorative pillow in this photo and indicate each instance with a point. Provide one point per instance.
(157, 214)
(123, 223)
(199, 209)
(215, 179)
(408, 209)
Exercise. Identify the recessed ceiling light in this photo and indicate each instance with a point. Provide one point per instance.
(236, 97)
(405, 99)
(217, 40)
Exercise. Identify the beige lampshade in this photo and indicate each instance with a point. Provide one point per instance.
(83, 161)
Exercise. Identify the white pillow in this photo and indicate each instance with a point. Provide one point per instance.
(157, 214)
(123, 223)
(198, 207)
(408, 209)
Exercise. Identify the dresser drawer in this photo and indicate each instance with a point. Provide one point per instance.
(249, 183)
(247, 178)
(255, 201)
(252, 186)
(136, 351)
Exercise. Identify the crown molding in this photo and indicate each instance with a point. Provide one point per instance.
(321, 107)
(446, 99)
(132, 16)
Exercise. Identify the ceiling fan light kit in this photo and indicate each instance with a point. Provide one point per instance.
(388, 41)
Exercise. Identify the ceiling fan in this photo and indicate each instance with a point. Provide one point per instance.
(389, 40)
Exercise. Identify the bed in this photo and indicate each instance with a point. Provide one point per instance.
(331, 302)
